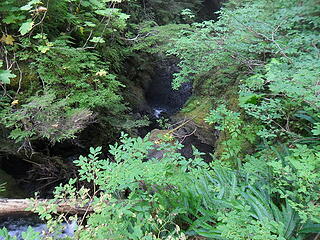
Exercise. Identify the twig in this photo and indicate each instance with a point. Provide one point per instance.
(136, 37)
(112, 5)
(188, 135)
(181, 125)
(41, 20)
(263, 36)
(85, 44)
(20, 77)
(4, 90)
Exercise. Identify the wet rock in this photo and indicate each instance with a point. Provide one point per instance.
(160, 95)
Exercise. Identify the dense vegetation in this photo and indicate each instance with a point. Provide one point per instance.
(256, 79)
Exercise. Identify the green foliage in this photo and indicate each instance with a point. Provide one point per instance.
(267, 50)
(187, 14)
(257, 230)
(163, 123)
(157, 10)
(240, 44)
(5, 234)
(2, 187)
(5, 76)
(269, 112)
(46, 117)
(237, 133)
(270, 50)
(139, 215)
(83, 80)
(136, 196)
(296, 178)
(232, 208)
(156, 38)
(131, 154)
(59, 62)
(26, 27)
(30, 234)
(316, 129)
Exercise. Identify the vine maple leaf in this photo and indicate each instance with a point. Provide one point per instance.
(7, 39)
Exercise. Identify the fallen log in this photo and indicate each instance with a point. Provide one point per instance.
(23, 206)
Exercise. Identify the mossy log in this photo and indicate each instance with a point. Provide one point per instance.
(22, 207)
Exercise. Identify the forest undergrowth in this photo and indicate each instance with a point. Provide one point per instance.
(62, 69)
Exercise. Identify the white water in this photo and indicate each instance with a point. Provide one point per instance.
(16, 226)
(157, 111)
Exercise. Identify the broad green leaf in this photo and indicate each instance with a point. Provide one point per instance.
(5, 76)
(89, 24)
(97, 40)
(105, 12)
(249, 98)
(12, 19)
(26, 27)
(30, 5)
(43, 49)
(26, 7)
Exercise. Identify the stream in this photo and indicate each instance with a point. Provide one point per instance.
(163, 102)
(161, 98)
(18, 224)
(166, 102)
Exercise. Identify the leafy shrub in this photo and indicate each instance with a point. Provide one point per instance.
(135, 196)
(296, 178)
(51, 58)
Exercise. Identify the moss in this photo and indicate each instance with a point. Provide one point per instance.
(197, 108)
(210, 90)
(231, 99)
(199, 105)
(28, 79)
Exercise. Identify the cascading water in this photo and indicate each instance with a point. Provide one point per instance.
(163, 101)
(166, 102)
(160, 96)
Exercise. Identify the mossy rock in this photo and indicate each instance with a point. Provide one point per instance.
(136, 97)
(209, 92)
(197, 108)
(159, 136)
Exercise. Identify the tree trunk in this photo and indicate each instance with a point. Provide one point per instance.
(20, 206)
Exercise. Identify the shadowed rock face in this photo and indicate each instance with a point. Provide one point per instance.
(166, 102)
(160, 96)
(209, 9)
